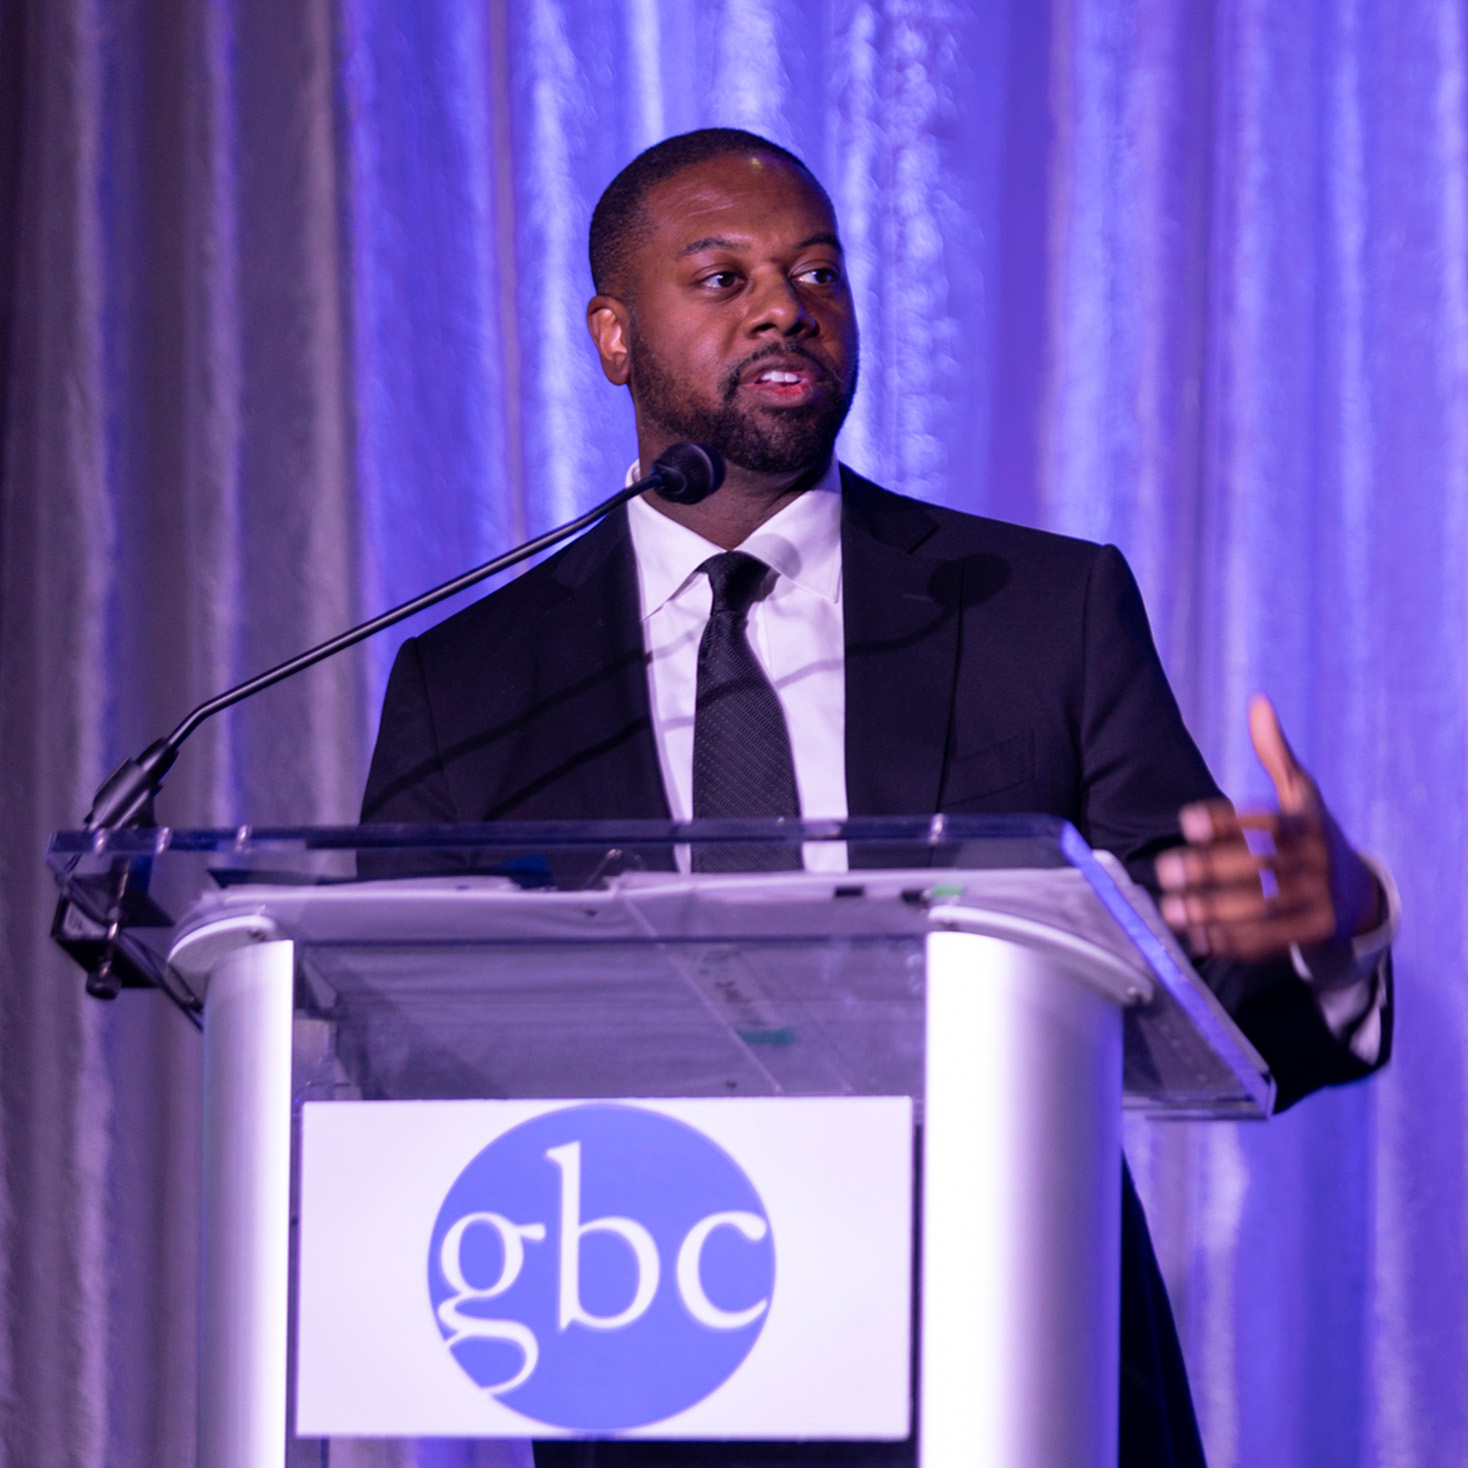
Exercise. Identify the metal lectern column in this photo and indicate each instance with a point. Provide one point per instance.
(1021, 1202)
(246, 1206)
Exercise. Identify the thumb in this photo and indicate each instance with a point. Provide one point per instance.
(1295, 788)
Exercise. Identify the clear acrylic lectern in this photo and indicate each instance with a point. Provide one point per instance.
(1011, 988)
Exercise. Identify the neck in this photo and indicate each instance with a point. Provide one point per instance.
(742, 504)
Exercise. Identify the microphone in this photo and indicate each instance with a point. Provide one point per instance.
(684, 474)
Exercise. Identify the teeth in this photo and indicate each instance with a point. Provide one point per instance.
(779, 377)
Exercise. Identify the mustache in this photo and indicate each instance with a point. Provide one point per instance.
(775, 349)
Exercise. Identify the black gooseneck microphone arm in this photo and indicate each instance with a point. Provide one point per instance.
(685, 474)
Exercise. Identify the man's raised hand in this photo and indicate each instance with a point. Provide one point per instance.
(1250, 884)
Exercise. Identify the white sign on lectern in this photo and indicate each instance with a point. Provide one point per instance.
(712, 1268)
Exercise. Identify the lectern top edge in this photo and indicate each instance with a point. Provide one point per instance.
(150, 888)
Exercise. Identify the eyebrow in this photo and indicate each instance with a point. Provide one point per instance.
(723, 242)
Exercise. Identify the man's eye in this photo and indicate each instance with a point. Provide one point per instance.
(821, 275)
(720, 280)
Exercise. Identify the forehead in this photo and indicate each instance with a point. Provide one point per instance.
(751, 201)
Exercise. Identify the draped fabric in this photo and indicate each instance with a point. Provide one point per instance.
(290, 327)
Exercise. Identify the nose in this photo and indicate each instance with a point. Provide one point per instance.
(777, 307)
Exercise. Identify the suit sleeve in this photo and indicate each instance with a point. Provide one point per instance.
(407, 783)
(1140, 766)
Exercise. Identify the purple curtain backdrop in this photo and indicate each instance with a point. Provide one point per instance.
(291, 298)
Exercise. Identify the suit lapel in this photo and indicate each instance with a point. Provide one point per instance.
(901, 611)
(592, 658)
(902, 618)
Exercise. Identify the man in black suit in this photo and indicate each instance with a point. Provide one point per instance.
(940, 662)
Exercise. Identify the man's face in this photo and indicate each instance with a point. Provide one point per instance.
(740, 327)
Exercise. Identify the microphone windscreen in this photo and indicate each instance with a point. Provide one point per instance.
(688, 472)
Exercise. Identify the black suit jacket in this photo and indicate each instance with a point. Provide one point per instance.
(989, 669)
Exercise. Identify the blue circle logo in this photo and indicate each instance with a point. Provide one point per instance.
(601, 1267)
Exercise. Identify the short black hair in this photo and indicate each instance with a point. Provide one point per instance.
(617, 219)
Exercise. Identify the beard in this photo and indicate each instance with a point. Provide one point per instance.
(760, 439)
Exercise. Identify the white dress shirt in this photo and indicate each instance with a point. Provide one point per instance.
(796, 631)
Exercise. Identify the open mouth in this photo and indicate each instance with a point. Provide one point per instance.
(783, 382)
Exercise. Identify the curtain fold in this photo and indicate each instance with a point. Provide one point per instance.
(56, 546)
(293, 294)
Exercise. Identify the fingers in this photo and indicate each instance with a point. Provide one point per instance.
(1294, 787)
(1254, 917)
(1211, 822)
(1238, 863)
(1356, 897)
(1248, 885)
(1251, 885)
(1254, 940)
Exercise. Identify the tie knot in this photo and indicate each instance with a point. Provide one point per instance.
(735, 578)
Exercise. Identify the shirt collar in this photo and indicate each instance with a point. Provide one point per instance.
(802, 542)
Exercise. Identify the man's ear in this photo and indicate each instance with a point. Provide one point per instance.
(606, 320)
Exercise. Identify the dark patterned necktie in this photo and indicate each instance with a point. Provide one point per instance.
(742, 765)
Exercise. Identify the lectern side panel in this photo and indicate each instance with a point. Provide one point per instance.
(1021, 1211)
(246, 1225)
